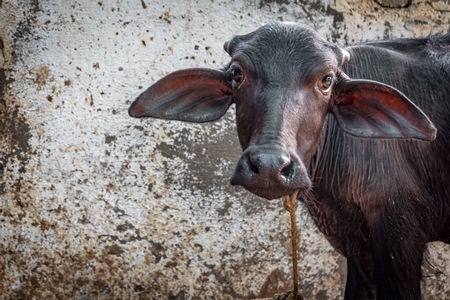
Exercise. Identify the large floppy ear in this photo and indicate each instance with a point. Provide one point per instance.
(191, 95)
(371, 109)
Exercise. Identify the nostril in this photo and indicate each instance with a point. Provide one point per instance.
(251, 167)
(288, 171)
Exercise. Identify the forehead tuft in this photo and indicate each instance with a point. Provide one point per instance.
(279, 37)
(284, 45)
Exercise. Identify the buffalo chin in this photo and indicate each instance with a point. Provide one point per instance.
(271, 193)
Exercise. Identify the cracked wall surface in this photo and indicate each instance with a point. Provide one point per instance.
(97, 205)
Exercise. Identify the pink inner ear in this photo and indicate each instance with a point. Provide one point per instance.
(370, 109)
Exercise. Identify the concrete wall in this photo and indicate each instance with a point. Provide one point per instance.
(96, 205)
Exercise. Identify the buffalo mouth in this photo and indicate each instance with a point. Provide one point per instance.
(271, 193)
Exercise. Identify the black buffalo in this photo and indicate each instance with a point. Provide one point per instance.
(372, 168)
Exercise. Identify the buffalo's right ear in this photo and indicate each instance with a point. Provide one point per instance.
(191, 95)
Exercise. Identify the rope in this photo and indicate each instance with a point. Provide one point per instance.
(290, 204)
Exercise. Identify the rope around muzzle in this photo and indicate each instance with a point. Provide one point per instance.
(290, 204)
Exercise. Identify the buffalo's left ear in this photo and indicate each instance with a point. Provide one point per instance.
(371, 109)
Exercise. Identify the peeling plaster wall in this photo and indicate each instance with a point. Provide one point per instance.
(96, 205)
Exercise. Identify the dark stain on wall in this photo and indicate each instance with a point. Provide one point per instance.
(24, 31)
(2, 46)
(394, 3)
(15, 133)
(13, 123)
(3, 158)
(276, 283)
(265, 2)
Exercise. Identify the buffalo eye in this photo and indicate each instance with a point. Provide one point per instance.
(325, 83)
(237, 76)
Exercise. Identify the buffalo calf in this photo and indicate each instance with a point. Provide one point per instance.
(363, 133)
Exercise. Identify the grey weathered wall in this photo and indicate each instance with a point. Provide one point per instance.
(96, 205)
